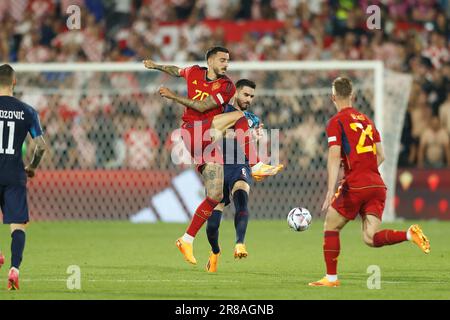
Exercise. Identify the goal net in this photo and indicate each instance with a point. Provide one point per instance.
(111, 137)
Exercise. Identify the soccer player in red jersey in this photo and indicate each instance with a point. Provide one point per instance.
(354, 140)
(209, 91)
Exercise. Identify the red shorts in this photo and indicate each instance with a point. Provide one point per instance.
(196, 138)
(351, 202)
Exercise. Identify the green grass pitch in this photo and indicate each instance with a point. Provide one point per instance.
(119, 260)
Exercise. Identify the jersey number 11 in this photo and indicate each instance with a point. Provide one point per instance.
(11, 125)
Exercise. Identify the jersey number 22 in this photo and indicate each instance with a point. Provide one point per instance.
(365, 132)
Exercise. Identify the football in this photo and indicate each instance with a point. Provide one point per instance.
(299, 219)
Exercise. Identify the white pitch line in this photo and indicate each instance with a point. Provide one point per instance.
(130, 280)
(200, 281)
(428, 282)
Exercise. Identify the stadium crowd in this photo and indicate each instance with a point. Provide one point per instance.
(414, 38)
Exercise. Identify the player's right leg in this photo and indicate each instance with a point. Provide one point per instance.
(15, 213)
(237, 119)
(212, 232)
(213, 180)
(2, 257)
(334, 222)
(372, 212)
(17, 247)
(240, 194)
(374, 237)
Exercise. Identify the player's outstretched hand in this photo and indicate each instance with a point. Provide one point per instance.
(327, 202)
(30, 172)
(149, 64)
(166, 93)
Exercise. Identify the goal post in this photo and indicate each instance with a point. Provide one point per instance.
(293, 96)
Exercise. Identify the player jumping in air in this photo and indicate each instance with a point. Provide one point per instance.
(354, 141)
(17, 119)
(209, 91)
(237, 180)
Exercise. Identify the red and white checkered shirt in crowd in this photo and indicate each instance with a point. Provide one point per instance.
(39, 8)
(438, 56)
(93, 46)
(14, 8)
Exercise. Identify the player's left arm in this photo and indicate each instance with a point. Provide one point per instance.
(41, 147)
(39, 151)
(207, 104)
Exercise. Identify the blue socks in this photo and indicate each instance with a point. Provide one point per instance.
(212, 230)
(17, 246)
(240, 199)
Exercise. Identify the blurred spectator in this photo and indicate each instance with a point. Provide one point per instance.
(444, 114)
(434, 148)
(63, 153)
(104, 135)
(142, 145)
(437, 50)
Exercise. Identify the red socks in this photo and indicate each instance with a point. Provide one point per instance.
(331, 249)
(202, 214)
(388, 237)
(247, 145)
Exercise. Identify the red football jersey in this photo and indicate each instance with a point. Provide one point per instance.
(221, 89)
(357, 136)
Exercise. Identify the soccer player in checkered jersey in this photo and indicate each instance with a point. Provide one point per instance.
(209, 91)
(17, 119)
(354, 141)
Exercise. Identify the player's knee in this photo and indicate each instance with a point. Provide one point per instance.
(241, 185)
(17, 226)
(215, 195)
(220, 207)
(331, 225)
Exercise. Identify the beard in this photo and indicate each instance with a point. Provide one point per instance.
(219, 72)
(243, 106)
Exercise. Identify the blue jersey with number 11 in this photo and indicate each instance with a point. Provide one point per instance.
(17, 119)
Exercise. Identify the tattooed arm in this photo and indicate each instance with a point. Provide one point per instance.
(39, 151)
(170, 70)
(198, 105)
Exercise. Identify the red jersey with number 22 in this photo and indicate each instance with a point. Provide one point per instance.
(221, 89)
(357, 136)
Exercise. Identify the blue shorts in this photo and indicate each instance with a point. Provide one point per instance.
(13, 203)
(233, 173)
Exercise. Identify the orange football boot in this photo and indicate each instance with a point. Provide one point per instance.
(213, 261)
(187, 250)
(240, 251)
(419, 238)
(325, 283)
